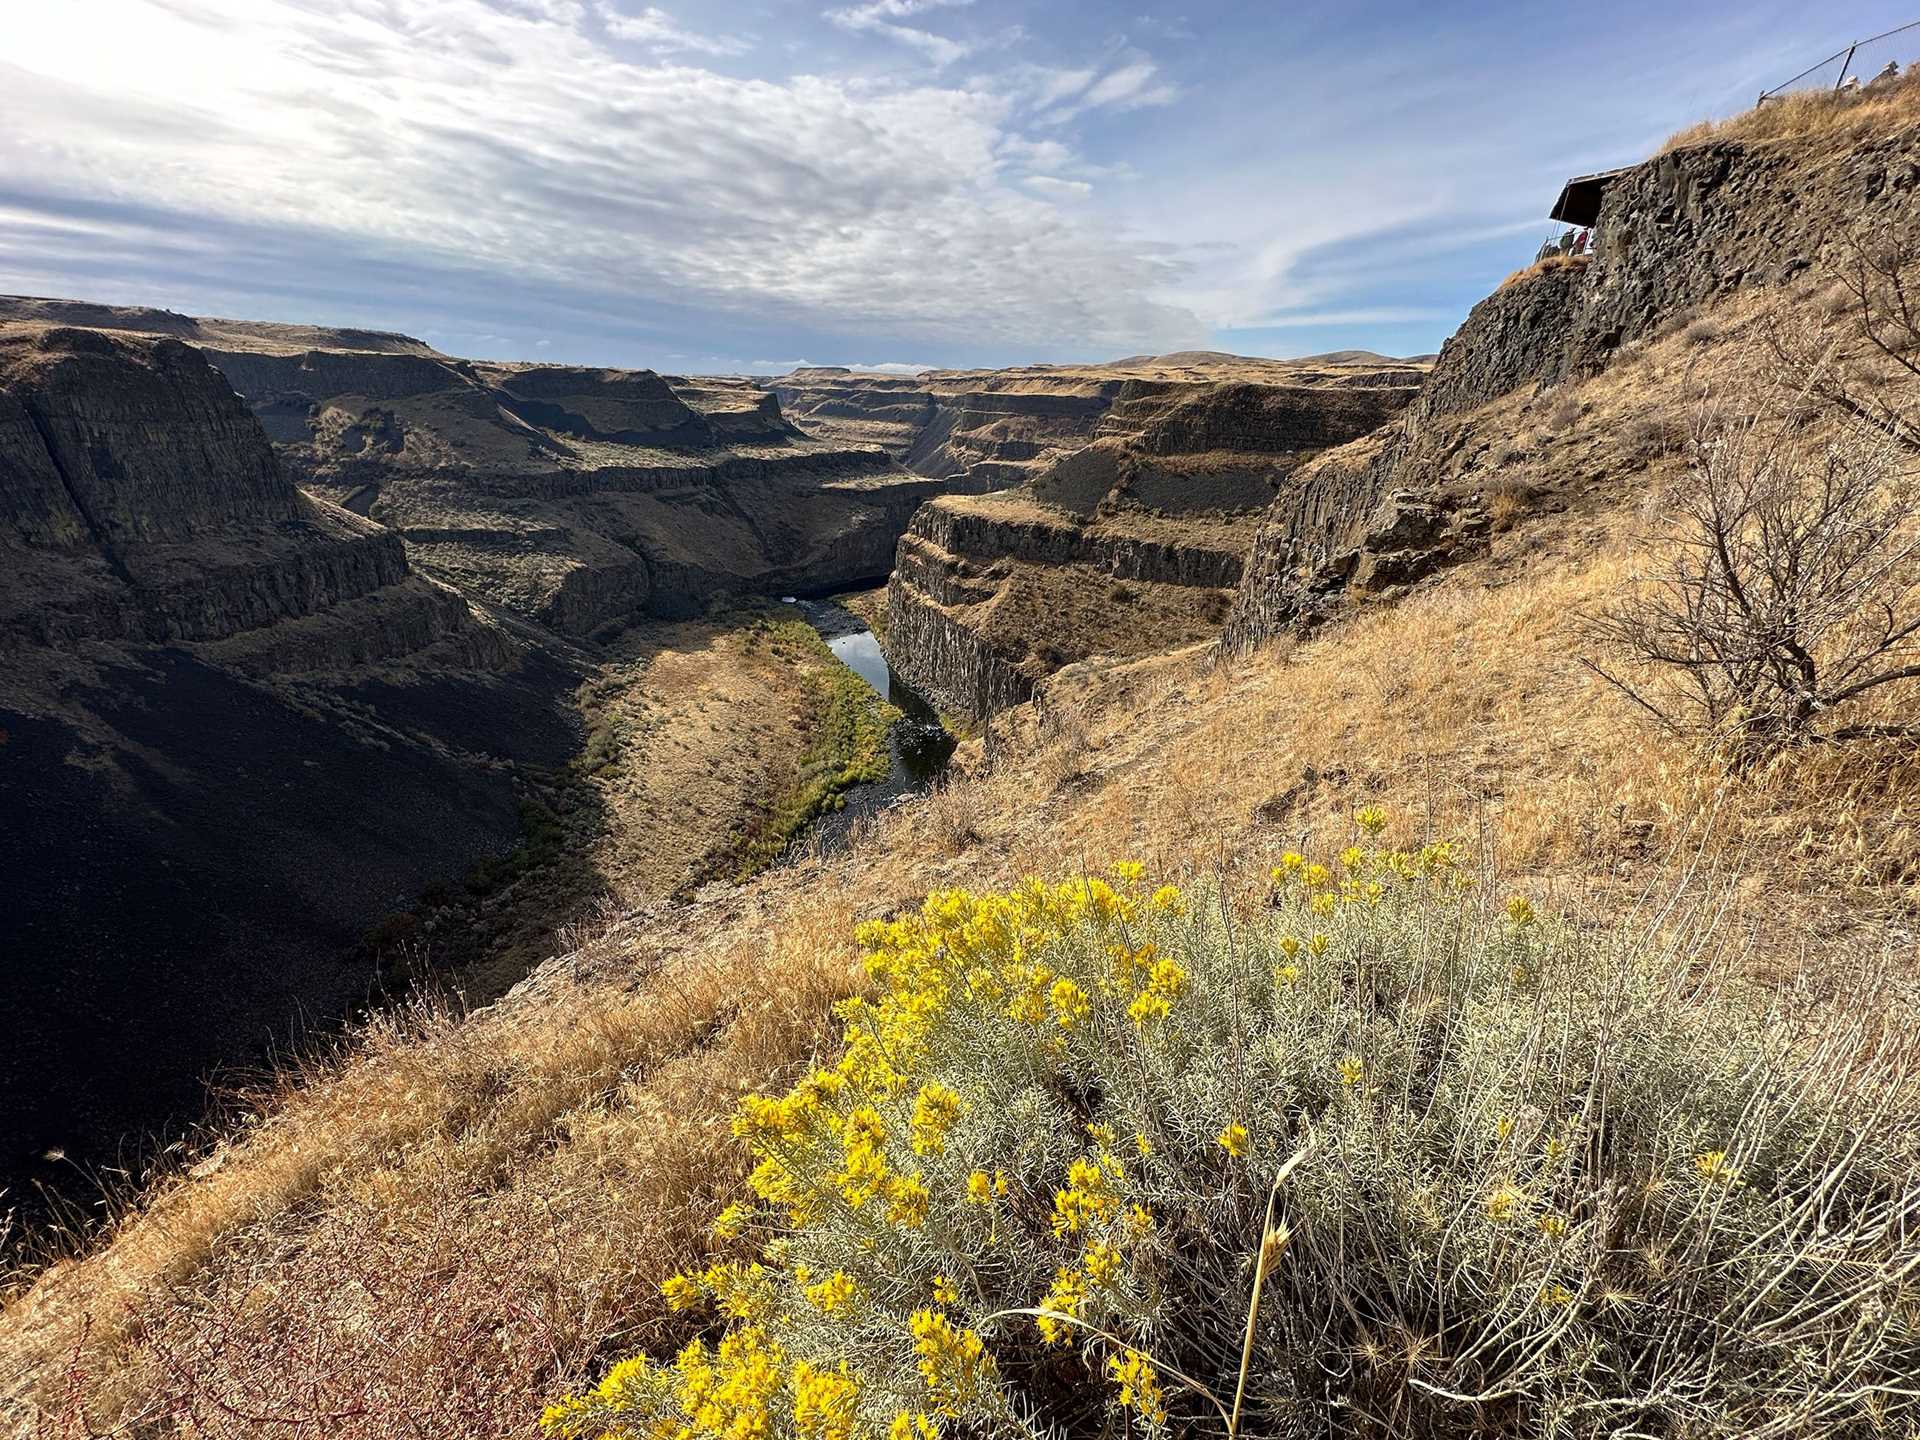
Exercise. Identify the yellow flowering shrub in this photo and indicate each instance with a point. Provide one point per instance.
(1483, 1167)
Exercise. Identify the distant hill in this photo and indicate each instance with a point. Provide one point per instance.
(1365, 357)
(1208, 358)
(248, 335)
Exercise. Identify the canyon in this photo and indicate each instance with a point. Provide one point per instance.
(303, 624)
(300, 625)
(295, 624)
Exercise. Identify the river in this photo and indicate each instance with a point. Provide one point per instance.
(921, 745)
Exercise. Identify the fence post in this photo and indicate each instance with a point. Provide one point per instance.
(1844, 64)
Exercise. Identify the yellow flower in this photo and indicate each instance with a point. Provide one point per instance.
(1371, 819)
(1102, 1262)
(832, 1294)
(935, 1111)
(730, 1221)
(1519, 911)
(683, 1292)
(907, 1201)
(1165, 982)
(1167, 900)
(1317, 944)
(1090, 1195)
(1555, 1295)
(1069, 1001)
(1289, 946)
(1503, 1127)
(943, 1290)
(823, 1402)
(1553, 1226)
(1140, 1389)
(1139, 1222)
(1323, 903)
(1715, 1169)
(954, 1363)
(1233, 1139)
(1501, 1203)
(982, 1188)
(914, 1426)
(1068, 1294)
(1315, 876)
(1142, 1144)
(1288, 975)
(1352, 857)
(1352, 1070)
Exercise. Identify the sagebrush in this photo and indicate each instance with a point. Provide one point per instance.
(1493, 1176)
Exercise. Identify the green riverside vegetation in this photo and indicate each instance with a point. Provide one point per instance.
(847, 730)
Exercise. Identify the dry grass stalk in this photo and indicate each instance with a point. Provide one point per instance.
(1841, 115)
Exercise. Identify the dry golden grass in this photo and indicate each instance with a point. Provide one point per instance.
(1547, 266)
(1844, 116)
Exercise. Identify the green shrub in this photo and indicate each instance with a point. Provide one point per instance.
(1471, 1174)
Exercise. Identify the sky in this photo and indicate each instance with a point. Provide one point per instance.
(746, 185)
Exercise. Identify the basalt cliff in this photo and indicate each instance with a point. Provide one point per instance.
(1128, 541)
(574, 497)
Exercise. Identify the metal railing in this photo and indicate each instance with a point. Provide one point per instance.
(1845, 55)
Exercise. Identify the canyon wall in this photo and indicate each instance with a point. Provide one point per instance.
(580, 497)
(1131, 541)
(236, 730)
(1690, 228)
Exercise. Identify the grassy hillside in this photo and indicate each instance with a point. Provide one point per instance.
(460, 1219)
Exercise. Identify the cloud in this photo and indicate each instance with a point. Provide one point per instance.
(1058, 188)
(882, 17)
(885, 367)
(1373, 315)
(657, 30)
(1129, 80)
(499, 155)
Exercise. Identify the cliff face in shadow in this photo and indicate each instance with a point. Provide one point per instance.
(580, 497)
(226, 738)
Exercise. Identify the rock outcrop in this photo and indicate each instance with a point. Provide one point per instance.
(144, 504)
(1687, 229)
(1131, 542)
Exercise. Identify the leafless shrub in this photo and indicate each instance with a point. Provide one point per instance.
(1650, 435)
(1792, 588)
(1062, 757)
(1863, 366)
(1507, 451)
(1508, 499)
(1563, 414)
(953, 812)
